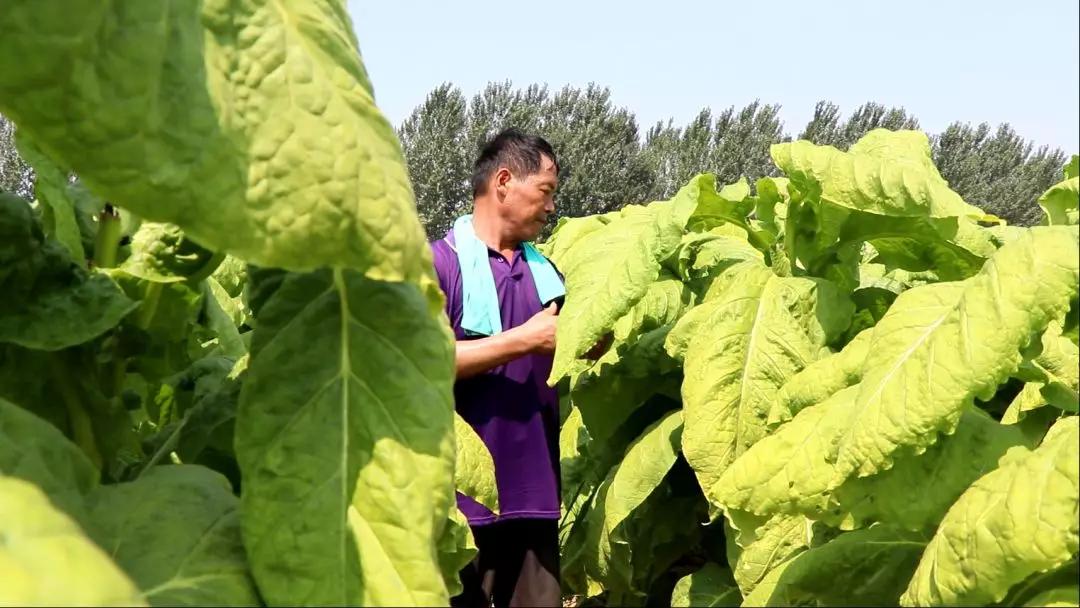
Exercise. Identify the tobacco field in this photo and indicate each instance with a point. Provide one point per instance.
(849, 388)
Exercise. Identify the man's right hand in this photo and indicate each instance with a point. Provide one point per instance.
(539, 330)
(537, 335)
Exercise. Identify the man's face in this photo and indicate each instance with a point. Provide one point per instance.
(530, 199)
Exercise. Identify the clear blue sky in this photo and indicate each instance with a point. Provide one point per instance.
(1015, 61)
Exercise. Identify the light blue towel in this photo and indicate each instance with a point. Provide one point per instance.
(480, 301)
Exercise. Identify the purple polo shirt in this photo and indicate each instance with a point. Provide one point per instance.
(511, 406)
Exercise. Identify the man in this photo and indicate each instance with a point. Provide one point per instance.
(502, 301)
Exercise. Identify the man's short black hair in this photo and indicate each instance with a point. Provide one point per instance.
(514, 149)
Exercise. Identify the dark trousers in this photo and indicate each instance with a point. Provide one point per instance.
(517, 564)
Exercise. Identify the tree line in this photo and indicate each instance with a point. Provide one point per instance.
(607, 161)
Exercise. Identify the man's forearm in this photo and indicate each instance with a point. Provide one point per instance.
(478, 356)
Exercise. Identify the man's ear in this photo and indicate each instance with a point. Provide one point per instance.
(502, 178)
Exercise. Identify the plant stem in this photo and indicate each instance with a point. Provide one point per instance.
(81, 428)
(117, 368)
(109, 234)
(149, 305)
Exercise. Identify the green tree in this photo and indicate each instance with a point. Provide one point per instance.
(678, 154)
(826, 127)
(997, 169)
(663, 142)
(741, 142)
(500, 106)
(734, 145)
(599, 151)
(16, 176)
(870, 116)
(435, 140)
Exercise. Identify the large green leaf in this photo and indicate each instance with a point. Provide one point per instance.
(664, 301)
(346, 449)
(793, 470)
(569, 231)
(773, 477)
(581, 472)
(692, 321)
(758, 334)
(176, 532)
(702, 256)
(821, 379)
(711, 586)
(626, 377)
(954, 248)
(942, 345)
(1056, 370)
(1061, 597)
(646, 463)
(49, 302)
(888, 173)
(1060, 202)
(1017, 520)
(767, 546)
(612, 267)
(231, 274)
(456, 549)
(223, 315)
(730, 206)
(635, 366)
(474, 470)
(899, 495)
(861, 568)
(252, 126)
(36, 451)
(46, 560)
(1029, 398)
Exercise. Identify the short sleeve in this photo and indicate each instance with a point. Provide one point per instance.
(449, 276)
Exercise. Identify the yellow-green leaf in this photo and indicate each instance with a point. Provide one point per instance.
(1015, 521)
(46, 560)
(347, 449)
(939, 346)
(474, 470)
(252, 126)
(888, 173)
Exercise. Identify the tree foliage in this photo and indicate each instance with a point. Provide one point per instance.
(997, 169)
(16, 176)
(827, 129)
